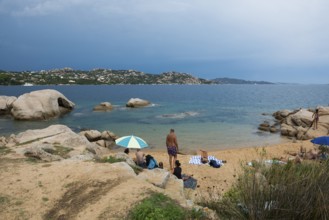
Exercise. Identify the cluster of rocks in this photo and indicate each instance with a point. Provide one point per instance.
(44, 144)
(49, 103)
(298, 123)
(132, 103)
(103, 139)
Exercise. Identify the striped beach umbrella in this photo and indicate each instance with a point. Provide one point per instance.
(131, 142)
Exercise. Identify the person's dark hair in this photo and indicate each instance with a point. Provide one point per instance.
(172, 130)
(317, 110)
(126, 150)
(177, 163)
(148, 158)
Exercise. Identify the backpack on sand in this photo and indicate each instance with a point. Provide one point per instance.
(214, 163)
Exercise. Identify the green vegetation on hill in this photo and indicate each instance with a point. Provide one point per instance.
(95, 77)
(237, 81)
(68, 76)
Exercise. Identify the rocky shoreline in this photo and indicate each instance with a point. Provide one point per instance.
(297, 124)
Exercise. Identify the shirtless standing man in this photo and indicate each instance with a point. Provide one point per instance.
(172, 148)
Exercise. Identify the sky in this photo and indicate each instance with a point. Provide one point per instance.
(271, 40)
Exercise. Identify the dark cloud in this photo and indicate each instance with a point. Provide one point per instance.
(256, 39)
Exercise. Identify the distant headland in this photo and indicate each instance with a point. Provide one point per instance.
(69, 76)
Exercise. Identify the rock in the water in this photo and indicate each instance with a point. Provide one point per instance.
(6, 104)
(137, 102)
(104, 106)
(41, 105)
(265, 126)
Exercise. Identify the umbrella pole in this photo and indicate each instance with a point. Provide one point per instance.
(308, 128)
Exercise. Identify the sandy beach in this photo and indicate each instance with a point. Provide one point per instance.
(220, 179)
(84, 189)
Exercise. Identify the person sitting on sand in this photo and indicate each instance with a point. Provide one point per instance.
(140, 158)
(126, 151)
(312, 154)
(178, 171)
(204, 156)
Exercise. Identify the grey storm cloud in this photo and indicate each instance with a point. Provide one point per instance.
(253, 39)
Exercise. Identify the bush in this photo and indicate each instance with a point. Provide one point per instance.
(292, 191)
(159, 206)
(111, 159)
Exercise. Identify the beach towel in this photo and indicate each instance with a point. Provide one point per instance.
(197, 160)
(270, 162)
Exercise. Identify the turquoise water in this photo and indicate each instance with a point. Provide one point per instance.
(204, 116)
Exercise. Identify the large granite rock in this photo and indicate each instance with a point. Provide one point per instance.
(124, 156)
(105, 139)
(137, 102)
(41, 105)
(6, 104)
(158, 177)
(58, 136)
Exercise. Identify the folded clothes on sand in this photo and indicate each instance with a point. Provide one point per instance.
(197, 160)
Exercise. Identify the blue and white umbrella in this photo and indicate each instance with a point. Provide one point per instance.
(131, 142)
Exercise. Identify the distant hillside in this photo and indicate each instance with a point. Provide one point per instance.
(237, 81)
(68, 76)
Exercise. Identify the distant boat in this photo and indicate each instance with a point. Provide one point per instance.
(28, 84)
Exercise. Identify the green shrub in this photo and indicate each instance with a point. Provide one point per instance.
(111, 159)
(5, 150)
(157, 206)
(291, 191)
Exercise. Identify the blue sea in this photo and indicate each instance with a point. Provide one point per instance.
(203, 116)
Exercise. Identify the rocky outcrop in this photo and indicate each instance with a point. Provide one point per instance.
(106, 139)
(57, 140)
(157, 177)
(6, 104)
(41, 105)
(298, 123)
(41, 153)
(104, 106)
(137, 102)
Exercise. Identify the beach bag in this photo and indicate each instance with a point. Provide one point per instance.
(214, 163)
(151, 163)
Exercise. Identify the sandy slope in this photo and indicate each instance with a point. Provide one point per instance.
(89, 190)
